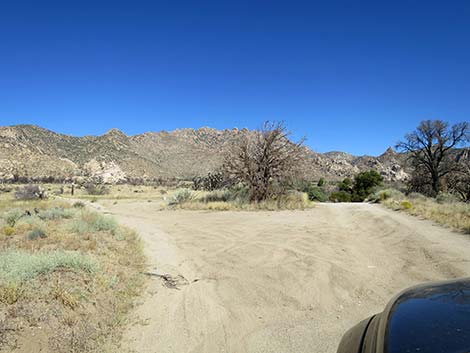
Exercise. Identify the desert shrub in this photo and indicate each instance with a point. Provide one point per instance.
(444, 197)
(293, 200)
(237, 194)
(30, 192)
(346, 185)
(417, 196)
(37, 233)
(180, 196)
(364, 184)
(96, 189)
(217, 196)
(240, 194)
(30, 222)
(340, 196)
(316, 193)
(56, 213)
(19, 265)
(78, 204)
(211, 181)
(321, 182)
(8, 230)
(10, 293)
(12, 216)
(385, 194)
(406, 205)
(90, 222)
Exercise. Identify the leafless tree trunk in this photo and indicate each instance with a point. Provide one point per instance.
(266, 160)
(430, 145)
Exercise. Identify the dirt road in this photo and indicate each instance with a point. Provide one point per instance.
(290, 281)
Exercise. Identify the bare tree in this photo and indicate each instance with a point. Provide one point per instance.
(430, 146)
(267, 161)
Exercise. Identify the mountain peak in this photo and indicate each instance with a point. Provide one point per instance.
(115, 132)
(390, 151)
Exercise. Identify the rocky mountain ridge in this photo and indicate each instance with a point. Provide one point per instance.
(32, 152)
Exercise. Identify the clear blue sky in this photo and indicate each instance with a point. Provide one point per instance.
(350, 75)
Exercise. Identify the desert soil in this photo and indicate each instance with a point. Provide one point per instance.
(289, 281)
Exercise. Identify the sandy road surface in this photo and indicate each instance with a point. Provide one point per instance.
(290, 281)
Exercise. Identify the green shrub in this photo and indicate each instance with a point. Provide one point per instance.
(180, 196)
(340, 196)
(90, 222)
(37, 234)
(346, 185)
(321, 182)
(12, 216)
(316, 193)
(78, 204)
(19, 265)
(32, 221)
(364, 184)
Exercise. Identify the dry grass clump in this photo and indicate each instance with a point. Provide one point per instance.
(450, 214)
(236, 199)
(90, 222)
(72, 272)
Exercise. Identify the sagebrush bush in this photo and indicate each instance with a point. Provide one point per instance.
(37, 233)
(236, 194)
(56, 213)
(19, 265)
(224, 195)
(180, 196)
(90, 222)
(12, 216)
(30, 222)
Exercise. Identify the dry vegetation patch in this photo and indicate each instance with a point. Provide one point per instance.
(67, 277)
(235, 199)
(441, 210)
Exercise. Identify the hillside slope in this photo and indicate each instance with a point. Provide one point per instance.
(28, 151)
